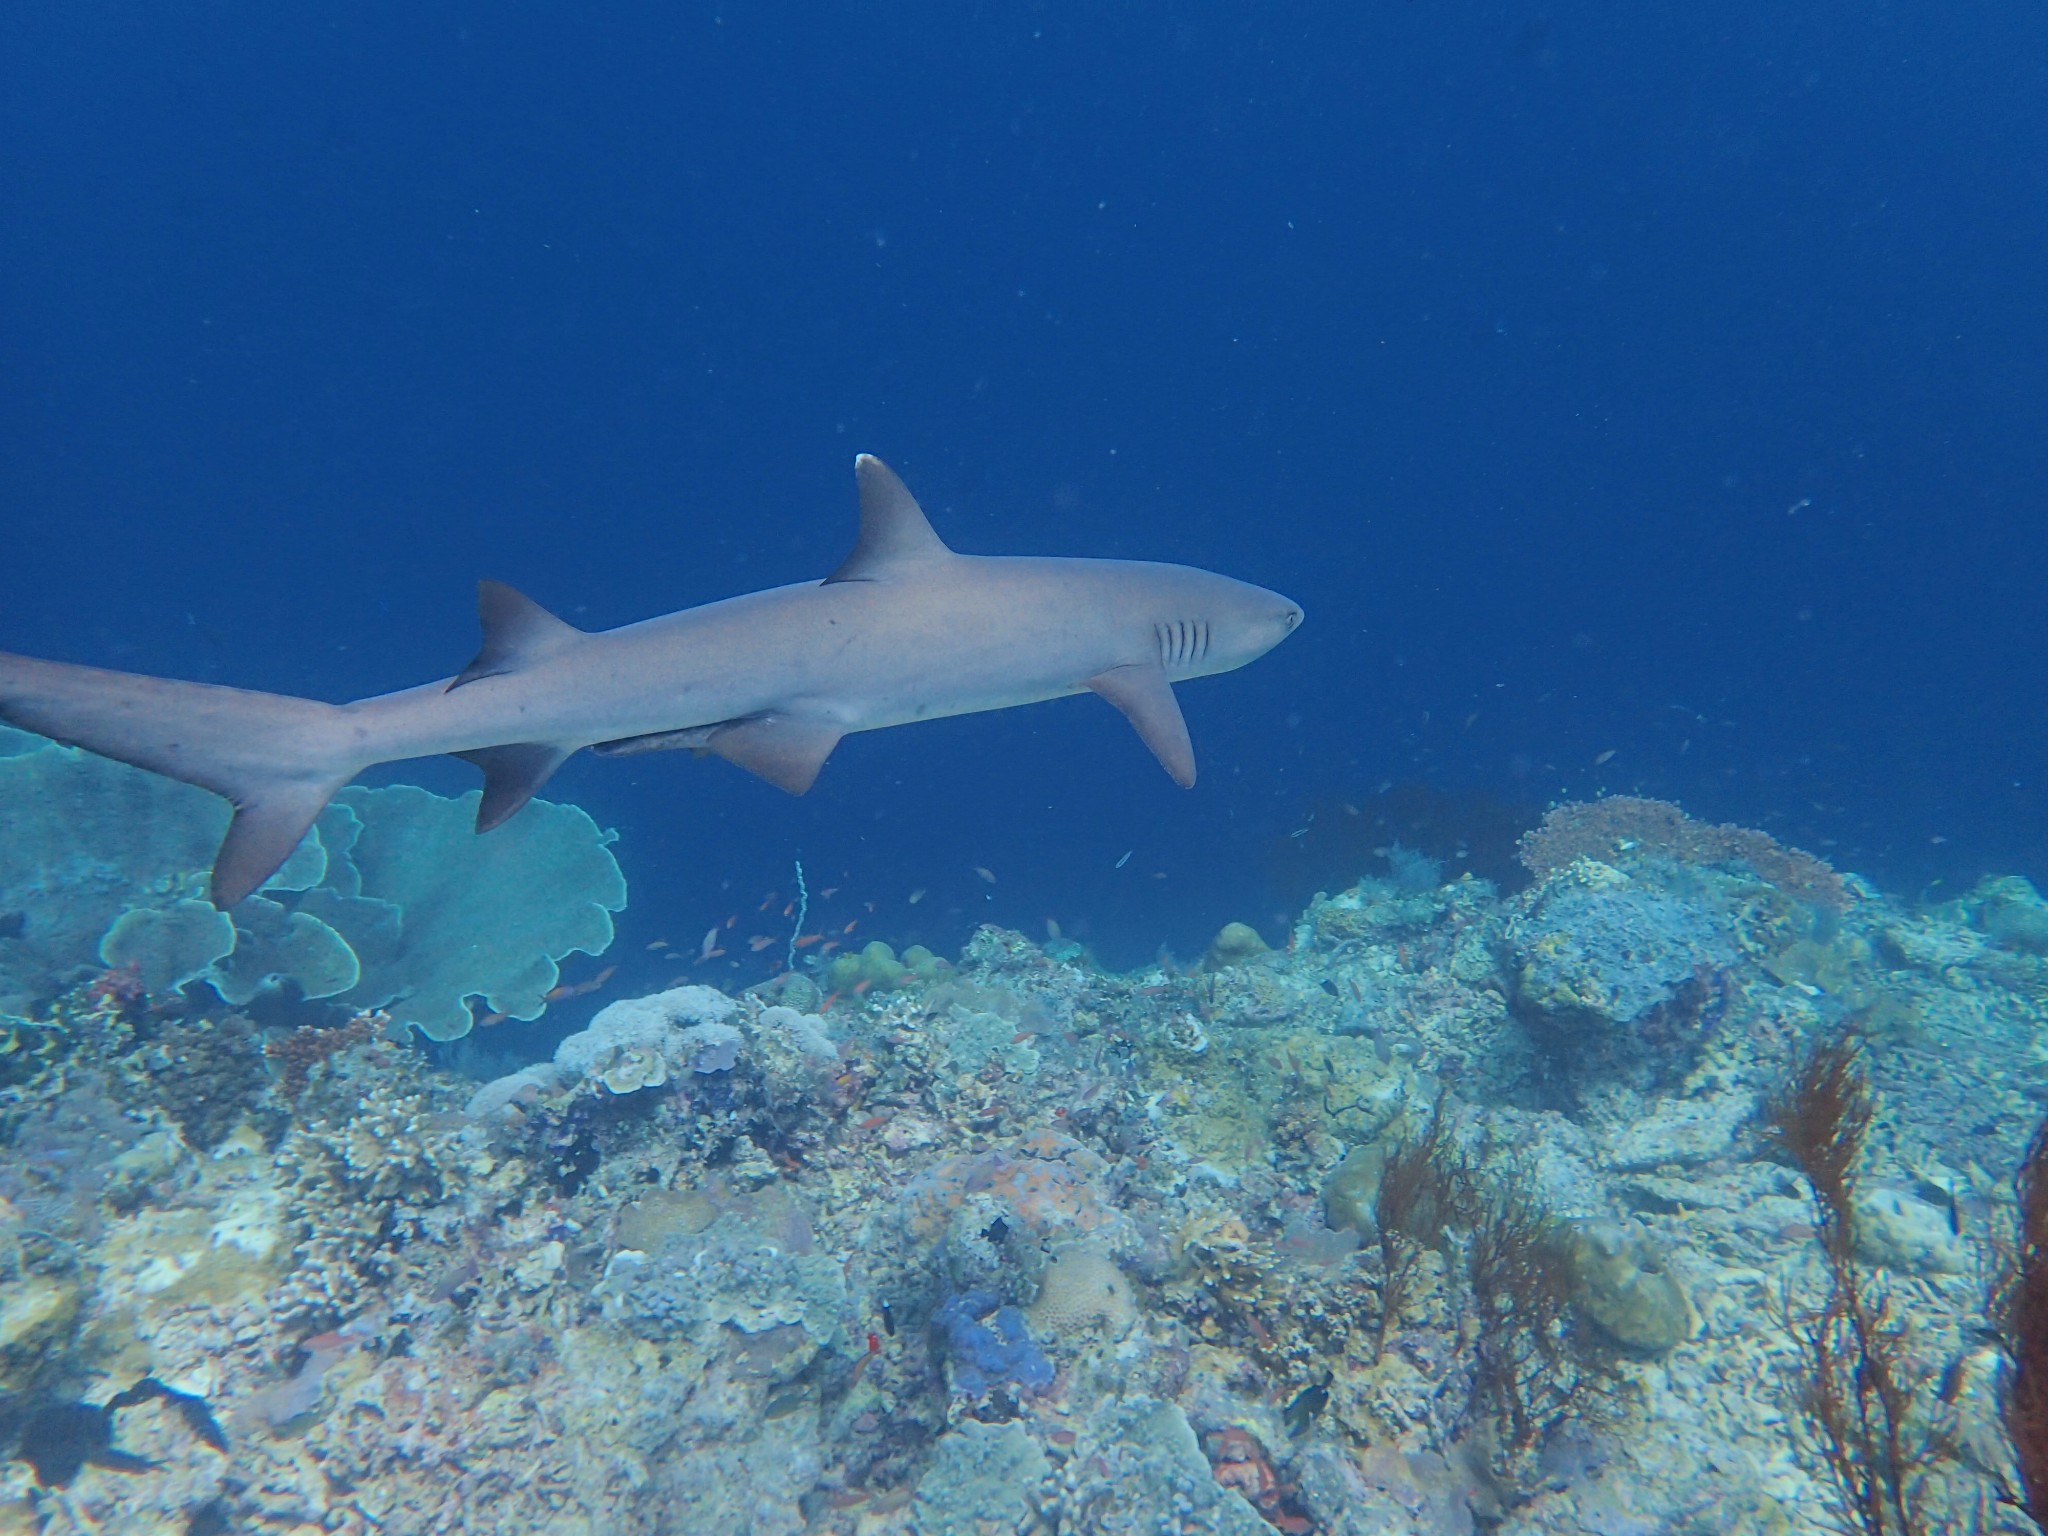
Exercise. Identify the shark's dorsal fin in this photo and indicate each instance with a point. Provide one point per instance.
(517, 633)
(893, 529)
(1142, 692)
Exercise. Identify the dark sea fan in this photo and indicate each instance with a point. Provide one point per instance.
(1864, 1396)
(2026, 1326)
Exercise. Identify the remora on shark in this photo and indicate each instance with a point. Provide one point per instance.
(903, 630)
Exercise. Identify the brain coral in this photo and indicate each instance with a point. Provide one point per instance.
(1082, 1292)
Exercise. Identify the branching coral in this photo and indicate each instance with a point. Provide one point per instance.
(1864, 1395)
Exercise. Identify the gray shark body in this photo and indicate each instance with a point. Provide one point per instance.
(904, 630)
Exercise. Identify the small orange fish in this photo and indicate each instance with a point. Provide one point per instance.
(828, 946)
(733, 921)
(581, 988)
(806, 940)
(826, 1005)
(873, 1123)
(767, 901)
(828, 893)
(788, 908)
(1021, 1036)
(851, 926)
(663, 943)
(489, 1019)
(860, 988)
(988, 875)
(759, 942)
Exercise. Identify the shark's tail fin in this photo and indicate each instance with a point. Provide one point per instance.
(278, 759)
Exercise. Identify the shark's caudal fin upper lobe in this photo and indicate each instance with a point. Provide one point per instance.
(278, 759)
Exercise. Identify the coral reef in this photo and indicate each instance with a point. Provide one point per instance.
(1540, 1213)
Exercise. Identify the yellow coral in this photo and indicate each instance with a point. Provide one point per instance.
(1082, 1292)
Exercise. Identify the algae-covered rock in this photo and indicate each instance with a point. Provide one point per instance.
(1139, 1467)
(36, 1316)
(134, 1176)
(1620, 1282)
(982, 1478)
(793, 1053)
(1900, 1230)
(684, 1027)
(2013, 914)
(1352, 1188)
(1234, 944)
(1594, 942)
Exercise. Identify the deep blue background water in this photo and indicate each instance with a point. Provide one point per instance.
(1664, 381)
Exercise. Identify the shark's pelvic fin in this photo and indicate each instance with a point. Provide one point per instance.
(513, 775)
(786, 750)
(1142, 692)
(894, 531)
(517, 633)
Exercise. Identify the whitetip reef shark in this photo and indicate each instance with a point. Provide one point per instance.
(903, 630)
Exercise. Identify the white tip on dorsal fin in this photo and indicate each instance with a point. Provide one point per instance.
(893, 530)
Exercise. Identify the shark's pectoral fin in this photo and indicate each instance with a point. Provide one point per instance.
(894, 531)
(517, 633)
(513, 775)
(1146, 698)
(786, 750)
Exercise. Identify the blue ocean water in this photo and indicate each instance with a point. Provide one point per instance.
(1645, 400)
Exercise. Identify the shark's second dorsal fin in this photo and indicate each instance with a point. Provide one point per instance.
(893, 528)
(517, 632)
(513, 774)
